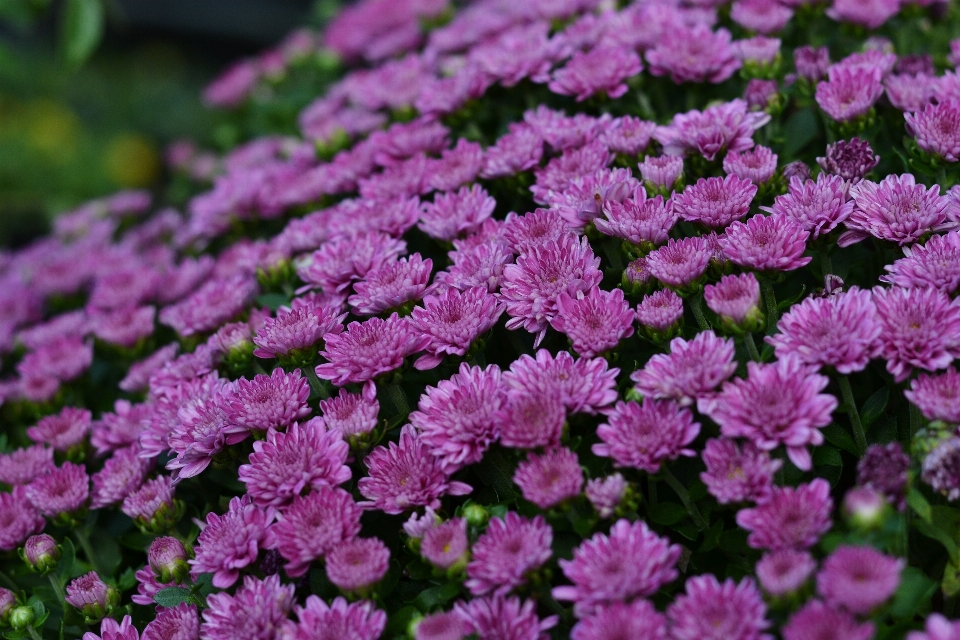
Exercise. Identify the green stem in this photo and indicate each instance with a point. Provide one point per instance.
(84, 543)
(399, 399)
(9, 582)
(771, 299)
(33, 632)
(55, 583)
(916, 420)
(696, 305)
(751, 346)
(684, 496)
(858, 434)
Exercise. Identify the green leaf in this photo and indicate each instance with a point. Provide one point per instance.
(874, 406)
(938, 534)
(801, 128)
(711, 539)
(667, 513)
(127, 580)
(919, 505)
(840, 437)
(273, 301)
(81, 29)
(783, 305)
(171, 596)
(915, 589)
(204, 584)
(398, 622)
(66, 561)
(827, 456)
(435, 596)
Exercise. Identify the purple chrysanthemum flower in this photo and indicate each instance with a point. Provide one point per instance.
(941, 468)
(766, 243)
(716, 202)
(643, 436)
(22, 466)
(819, 206)
(839, 331)
(691, 370)
(91, 595)
(230, 542)
(457, 419)
(516, 151)
(369, 349)
(858, 579)
(391, 285)
(167, 557)
(453, 214)
(339, 620)
(312, 525)
(606, 494)
(257, 611)
(736, 299)
(352, 414)
(535, 228)
(443, 625)
(201, 432)
(849, 92)
(456, 166)
(778, 403)
(174, 623)
(896, 209)
(358, 563)
(934, 264)
(60, 490)
(446, 545)
(628, 135)
(18, 518)
(63, 430)
(756, 165)
(406, 475)
(680, 263)
(920, 329)
(850, 159)
(548, 479)
(662, 171)
(727, 126)
(639, 222)
(500, 618)
(817, 621)
(938, 397)
(867, 13)
(785, 571)
(660, 310)
(344, 259)
(693, 54)
(153, 500)
(792, 518)
(631, 561)
(286, 465)
(595, 323)
(584, 385)
(602, 69)
(737, 473)
(886, 468)
(914, 92)
(937, 627)
(530, 419)
(453, 320)
(761, 16)
(811, 62)
(268, 402)
(531, 286)
(110, 629)
(760, 94)
(210, 306)
(507, 552)
(711, 610)
(637, 620)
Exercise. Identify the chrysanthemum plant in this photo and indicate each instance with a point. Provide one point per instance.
(540, 319)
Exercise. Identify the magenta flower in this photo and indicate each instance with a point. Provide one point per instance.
(201, 433)
(92, 596)
(920, 328)
(628, 135)
(358, 563)
(585, 385)
(785, 571)
(886, 468)
(344, 259)
(896, 209)
(286, 465)
(311, 526)
(175, 623)
(602, 69)
(811, 62)
(645, 222)
(643, 436)
(817, 620)
(792, 518)
(22, 466)
(941, 468)
(319, 621)
(548, 479)
(498, 617)
(531, 419)
(517, 150)
(595, 323)
(660, 311)
(778, 403)
(167, 557)
(213, 304)
(391, 285)
(693, 54)
(736, 299)
(851, 159)
(230, 542)
(61, 431)
(268, 402)
(737, 473)
(638, 620)
(60, 490)
(631, 561)
(606, 494)
(727, 126)
(934, 264)
(756, 165)
(867, 13)
(18, 519)
(819, 206)
(691, 370)
(937, 129)
(456, 166)
(406, 475)
(938, 397)
(111, 630)
(849, 92)
(711, 610)
(453, 214)
(446, 545)
(352, 414)
(662, 171)
(680, 263)
(255, 612)
(716, 202)
(914, 92)
(152, 504)
(531, 286)
(443, 625)
(766, 243)
(509, 550)
(453, 320)
(535, 228)
(368, 349)
(858, 579)
(457, 419)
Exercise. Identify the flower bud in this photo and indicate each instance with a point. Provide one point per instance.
(736, 299)
(41, 552)
(94, 598)
(8, 602)
(168, 558)
(22, 617)
(476, 515)
(865, 508)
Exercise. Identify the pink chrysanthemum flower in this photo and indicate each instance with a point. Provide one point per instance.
(366, 350)
(230, 542)
(628, 135)
(643, 436)
(691, 370)
(201, 433)
(153, 500)
(602, 69)
(344, 259)
(548, 479)
(886, 468)
(268, 402)
(816, 621)
(443, 625)
(391, 285)
(934, 264)
(507, 552)
(531, 286)
(727, 126)
(18, 518)
(785, 571)
(766, 243)
(920, 328)
(286, 465)
(693, 54)
(175, 623)
(500, 618)
(446, 545)
(352, 414)
(337, 621)
(867, 13)
(453, 214)
(60, 490)
(22, 466)
(110, 629)
(761, 16)
(663, 171)
(643, 222)
(516, 151)
(631, 561)
(937, 628)
(716, 202)
(210, 306)
(456, 166)
(736, 299)
(819, 206)
(858, 579)
(756, 165)
(457, 419)
(606, 494)
(851, 159)
(792, 518)
(122, 474)
(938, 397)
(91, 595)
(63, 430)
(257, 610)
(850, 92)
(531, 419)
(358, 563)
(296, 329)
(737, 473)
(839, 331)
(914, 92)
(711, 610)
(533, 229)
(680, 263)
(660, 311)
(595, 323)
(311, 526)
(778, 403)
(896, 209)
(406, 475)
(453, 320)
(637, 620)
(941, 468)
(811, 62)
(585, 385)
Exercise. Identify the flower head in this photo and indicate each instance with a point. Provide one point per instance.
(850, 159)
(716, 202)
(339, 620)
(352, 414)
(941, 468)
(692, 369)
(896, 209)
(256, 611)
(548, 479)
(606, 494)
(637, 620)
(736, 299)
(446, 545)
(819, 206)
(935, 264)
(500, 618)
(602, 69)
(728, 126)
(63, 430)
(937, 628)
(867, 13)
(92, 596)
(680, 263)
(531, 419)
(766, 243)
(711, 610)
(660, 310)
(756, 165)
(858, 579)
(167, 558)
(268, 402)
(152, 506)
(920, 329)
(595, 323)
(849, 92)
(453, 214)
(816, 621)
(643, 436)
(453, 320)
(693, 54)
(785, 571)
(584, 385)
(357, 564)
(22, 466)
(230, 542)
(369, 349)
(937, 396)
(59, 491)
(737, 473)
(174, 623)
(885, 468)
(391, 285)
(641, 222)
(662, 171)
(792, 518)
(19, 519)
(506, 552)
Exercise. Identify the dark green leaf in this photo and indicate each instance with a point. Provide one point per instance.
(827, 456)
(66, 561)
(840, 437)
(435, 596)
(80, 30)
(204, 584)
(398, 622)
(497, 472)
(667, 513)
(915, 589)
(919, 504)
(874, 406)
(127, 580)
(171, 596)
(785, 304)
(938, 534)
(711, 540)
(273, 301)
(801, 128)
